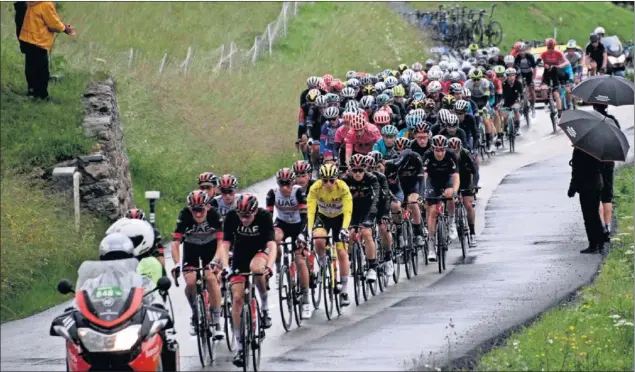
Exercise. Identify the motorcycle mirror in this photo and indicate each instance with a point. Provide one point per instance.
(65, 287)
(164, 283)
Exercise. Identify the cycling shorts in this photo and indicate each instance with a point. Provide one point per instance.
(399, 196)
(529, 78)
(360, 215)
(289, 229)
(436, 189)
(191, 253)
(551, 78)
(382, 211)
(241, 260)
(466, 184)
(332, 224)
(409, 186)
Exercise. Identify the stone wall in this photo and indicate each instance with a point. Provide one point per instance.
(106, 187)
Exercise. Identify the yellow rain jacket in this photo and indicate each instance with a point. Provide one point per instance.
(40, 23)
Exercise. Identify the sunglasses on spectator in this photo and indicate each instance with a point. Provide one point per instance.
(329, 180)
(227, 191)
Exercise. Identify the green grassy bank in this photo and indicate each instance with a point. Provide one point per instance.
(536, 20)
(594, 333)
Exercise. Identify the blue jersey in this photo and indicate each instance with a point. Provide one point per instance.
(327, 136)
(381, 147)
(568, 71)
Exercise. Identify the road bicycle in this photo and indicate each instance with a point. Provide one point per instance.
(442, 236)
(289, 288)
(493, 30)
(405, 250)
(226, 313)
(331, 284)
(359, 266)
(510, 127)
(202, 317)
(382, 276)
(551, 106)
(252, 331)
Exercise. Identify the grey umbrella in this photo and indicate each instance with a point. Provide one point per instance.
(595, 134)
(607, 89)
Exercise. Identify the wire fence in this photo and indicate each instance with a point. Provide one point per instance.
(227, 57)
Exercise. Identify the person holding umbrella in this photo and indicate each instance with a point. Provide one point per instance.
(596, 140)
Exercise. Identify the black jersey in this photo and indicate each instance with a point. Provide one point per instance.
(248, 239)
(365, 193)
(439, 171)
(191, 232)
(459, 133)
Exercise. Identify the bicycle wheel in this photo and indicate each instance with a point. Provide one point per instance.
(328, 288)
(396, 254)
(336, 286)
(446, 241)
(285, 297)
(362, 267)
(230, 340)
(511, 130)
(494, 33)
(477, 33)
(245, 335)
(460, 213)
(553, 113)
(440, 240)
(526, 115)
(296, 295)
(357, 277)
(414, 256)
(201, 333)
(257, 335)
(316, 286)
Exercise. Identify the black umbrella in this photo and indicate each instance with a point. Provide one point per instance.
(595, 134)
(607, 89)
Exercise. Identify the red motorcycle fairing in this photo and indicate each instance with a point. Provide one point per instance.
(148, 359)
(75, 362)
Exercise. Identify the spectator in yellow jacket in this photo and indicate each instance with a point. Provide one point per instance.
(41, 22)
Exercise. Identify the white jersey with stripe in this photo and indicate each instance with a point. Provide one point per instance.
(287, 207)
(222, 207)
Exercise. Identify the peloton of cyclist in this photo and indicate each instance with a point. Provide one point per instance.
(467, 171)
(553, 61)
(226, 201)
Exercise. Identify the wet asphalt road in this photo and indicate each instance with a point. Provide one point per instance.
(526, 260)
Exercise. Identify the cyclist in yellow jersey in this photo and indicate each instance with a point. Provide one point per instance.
(329, 208)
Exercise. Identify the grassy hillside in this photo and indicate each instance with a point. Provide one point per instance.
(593, 334)
(242, 122)
(536, 20)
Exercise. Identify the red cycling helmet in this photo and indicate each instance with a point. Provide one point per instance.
(381, 117)
(228, 181)
(370, 162)
(208, 177)
(197, 199)
(551, 43)
(285, 175)
(301, 167)
(337, 85)
(247, 204)
(358, 161)
(490, 74)
(135, 214)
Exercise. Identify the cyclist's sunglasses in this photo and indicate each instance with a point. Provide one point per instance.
(245, 216)
(301, 174)
(329, 180)
(389, 136)
(439, 149)
(206, 187)
(197, 209)
(285, 183)
(227, 191)
(358, 170)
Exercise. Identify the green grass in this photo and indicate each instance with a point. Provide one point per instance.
(39, 245)
(596, 332)
(536, 20)
(35, 133)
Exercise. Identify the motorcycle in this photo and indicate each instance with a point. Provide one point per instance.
(616, 56)
(117, 321)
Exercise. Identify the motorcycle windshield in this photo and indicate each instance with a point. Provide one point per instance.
(613, 46)
(108, 284)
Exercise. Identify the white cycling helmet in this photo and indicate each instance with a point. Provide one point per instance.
(435, 75)
(599, 31)
(444, 65)
(351, 74)
(116, 246)
(571, 44)
(494, 51)
(139, 232)
(509, 59)
(434, 87)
